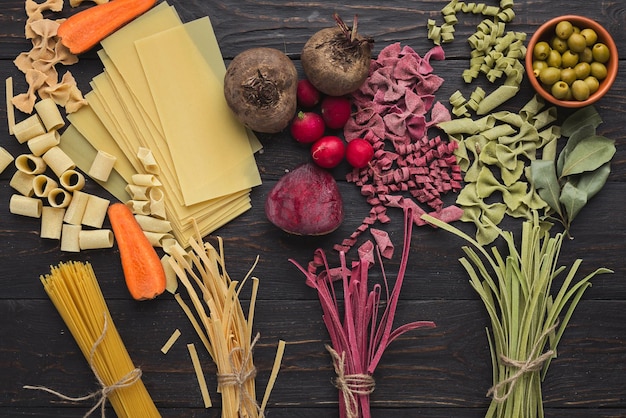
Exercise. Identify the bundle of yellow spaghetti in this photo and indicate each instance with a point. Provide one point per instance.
(74, 290)
(222, 325)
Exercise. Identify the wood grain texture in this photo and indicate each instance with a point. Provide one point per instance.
(443, 372)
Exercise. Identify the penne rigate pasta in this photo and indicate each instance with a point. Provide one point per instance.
(42, 143)
(5, 159)
(30, 164)
(51, 222)
(93, 239)
(152, 224)
(58, 161)
(70, 238)
(59, 198)
(148, 161)
(76, 208)
(95, 211)
(137, 192)
(102, 166)
(22, 183)
(49, 114)
(72, 180)
(149, 180)
(25, 206)
(156, 238)
(42, 185)
(28, 128)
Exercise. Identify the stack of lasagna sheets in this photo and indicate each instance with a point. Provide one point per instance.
(162, 90)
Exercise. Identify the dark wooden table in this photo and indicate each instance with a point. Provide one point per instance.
(437, 373)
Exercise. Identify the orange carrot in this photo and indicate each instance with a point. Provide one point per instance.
(85, 29)
(143, 271)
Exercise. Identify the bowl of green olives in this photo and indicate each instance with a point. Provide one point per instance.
(571, 61)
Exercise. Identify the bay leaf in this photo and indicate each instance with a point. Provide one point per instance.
(587, 115)
(543, 178)
(591, 182)
(589, 154)
(585, 131)
(573, 200)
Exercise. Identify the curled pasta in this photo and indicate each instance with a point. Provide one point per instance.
(151, 224)
(157, 203)
(149, 180)
(148, 161)
(137, 192)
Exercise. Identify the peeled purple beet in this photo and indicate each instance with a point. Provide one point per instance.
(305, 201)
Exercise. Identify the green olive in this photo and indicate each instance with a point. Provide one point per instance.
(560, 90)
(582, 70)
(538, 66)
(549, 75)
(559, 44)
(569, 59)
(601, 52)
(590, 35)
(580, 90)
(568, 75)
(554, 59)
(564, 29)
(598, 70)
(593, 84)
(576, 42)
(586, 56)
(541, 50)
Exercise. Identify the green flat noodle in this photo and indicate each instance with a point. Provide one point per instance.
(496, 98)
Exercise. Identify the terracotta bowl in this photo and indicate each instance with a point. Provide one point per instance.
(546, 33)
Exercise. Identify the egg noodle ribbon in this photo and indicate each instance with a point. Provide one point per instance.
(239, 377)
(523, 366)
(105, 390)
(350, 385)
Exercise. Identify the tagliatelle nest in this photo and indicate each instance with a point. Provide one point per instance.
(39, 64)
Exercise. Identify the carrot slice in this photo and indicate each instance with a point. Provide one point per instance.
(143, 271)
(85, 29)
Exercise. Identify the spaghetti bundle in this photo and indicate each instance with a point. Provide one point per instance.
(75, 292)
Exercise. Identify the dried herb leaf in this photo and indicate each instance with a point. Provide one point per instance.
(581, 133)
(573, 200)
(591, 182)
(586, 116)
(543, 177)
(589, 154)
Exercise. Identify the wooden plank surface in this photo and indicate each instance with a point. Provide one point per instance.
(443, 372)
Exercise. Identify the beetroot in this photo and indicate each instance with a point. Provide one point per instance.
(305, 201)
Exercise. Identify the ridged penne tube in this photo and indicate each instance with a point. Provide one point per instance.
(49, 114)
(22, 183)
(51, 222)
(137, 192)
(92, 239)
(102, 166)
(149, 180)
(42, 185)
(25, 206)
(76, 209)
(28, 128)
(139, 207)
(58, 161)
(72, 180)
(59, 198)
(152, 224)
(5, 159)
(30, 164)
(148, 161)
(70, 238)
(157, 203)
(42, 143)
(95, 211)
(156, 238)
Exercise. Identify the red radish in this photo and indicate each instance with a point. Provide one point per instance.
(308, 96)
(328, 151)
(336, 111)
(307, 127)
(359, 152)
